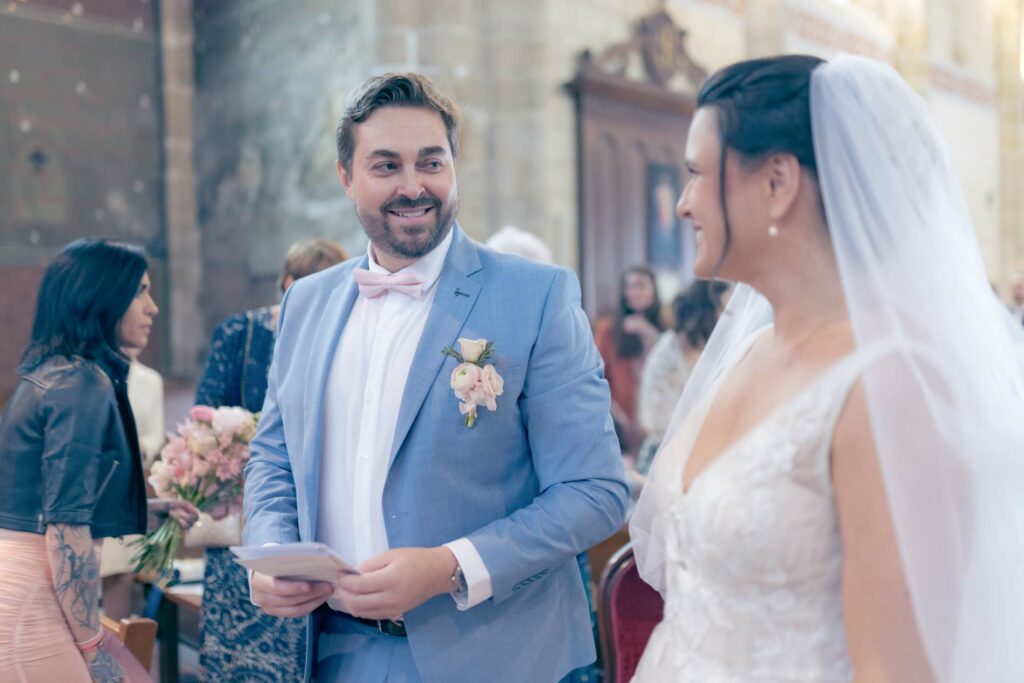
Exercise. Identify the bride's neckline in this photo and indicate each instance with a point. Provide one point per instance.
(786, 404)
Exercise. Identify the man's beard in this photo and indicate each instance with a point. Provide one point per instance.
(385, 236)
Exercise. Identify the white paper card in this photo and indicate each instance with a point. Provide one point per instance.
(303, 561)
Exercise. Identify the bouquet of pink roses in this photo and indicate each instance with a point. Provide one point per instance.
(201, 464)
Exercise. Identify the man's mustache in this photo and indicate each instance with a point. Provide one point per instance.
(406, 204)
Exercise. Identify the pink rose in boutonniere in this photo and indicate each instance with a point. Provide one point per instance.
(475, 382)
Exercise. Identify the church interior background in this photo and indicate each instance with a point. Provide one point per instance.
(203, 129)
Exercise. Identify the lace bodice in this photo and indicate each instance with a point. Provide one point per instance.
(753, 581)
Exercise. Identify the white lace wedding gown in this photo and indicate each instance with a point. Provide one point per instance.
(753, 578)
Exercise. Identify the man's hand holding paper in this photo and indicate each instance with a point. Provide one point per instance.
(287, 597)
(292, 579)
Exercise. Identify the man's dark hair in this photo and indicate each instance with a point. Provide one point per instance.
(394, 90)
(84, 293)
(763, 108)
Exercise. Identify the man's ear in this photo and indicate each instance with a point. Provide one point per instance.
(783, 184)
(346, 179)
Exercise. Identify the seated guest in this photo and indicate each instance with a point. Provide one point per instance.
(624, 341)
(70, 466)
(266, 648)
(672, 359)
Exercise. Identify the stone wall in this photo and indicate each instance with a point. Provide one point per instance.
(252, 90)
(269, 81)
(79, 146)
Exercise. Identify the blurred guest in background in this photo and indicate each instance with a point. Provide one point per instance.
(70, 465)
(673, 357)
(512, 240)
(1017, 296)
(238, 641)
(624, 341)
(146, 397)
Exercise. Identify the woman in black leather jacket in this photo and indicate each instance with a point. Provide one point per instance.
(70, 468)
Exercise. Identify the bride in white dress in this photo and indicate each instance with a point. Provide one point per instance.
(841, 497)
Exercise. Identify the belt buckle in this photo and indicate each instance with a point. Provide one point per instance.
(390, 627)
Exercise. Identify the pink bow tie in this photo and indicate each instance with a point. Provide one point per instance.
(372, 285)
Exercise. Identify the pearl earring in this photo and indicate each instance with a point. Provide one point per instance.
(773, 231)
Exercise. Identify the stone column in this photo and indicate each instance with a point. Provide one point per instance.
(1010, 102)
(766, 27)
(909, 23)
(183, 256)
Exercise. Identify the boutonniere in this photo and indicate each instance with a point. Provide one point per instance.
(475, 382)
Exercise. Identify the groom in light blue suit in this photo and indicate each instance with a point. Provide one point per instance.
(465, 536)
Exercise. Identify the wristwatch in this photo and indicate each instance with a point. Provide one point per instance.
(459, 580)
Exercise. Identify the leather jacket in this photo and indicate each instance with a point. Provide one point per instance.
(69, 452)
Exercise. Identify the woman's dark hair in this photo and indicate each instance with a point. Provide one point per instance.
(696, 311)
(763, 107)
(629, 345)
(85, 292)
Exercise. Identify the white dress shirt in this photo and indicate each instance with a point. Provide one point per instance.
(364, 392)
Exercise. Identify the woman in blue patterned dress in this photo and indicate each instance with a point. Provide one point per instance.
(238, 642)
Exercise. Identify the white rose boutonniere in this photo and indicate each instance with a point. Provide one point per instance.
(474, 382)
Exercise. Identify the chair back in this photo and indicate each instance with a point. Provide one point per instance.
(629, 611)
(137, 634)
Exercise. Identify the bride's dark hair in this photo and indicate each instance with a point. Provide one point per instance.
(763, 107)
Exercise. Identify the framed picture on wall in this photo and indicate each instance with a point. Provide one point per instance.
(664, 228)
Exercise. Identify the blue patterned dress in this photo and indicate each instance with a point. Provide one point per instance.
(238, 643)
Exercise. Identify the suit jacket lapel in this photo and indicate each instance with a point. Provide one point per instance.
(455, 297)
(325, 342)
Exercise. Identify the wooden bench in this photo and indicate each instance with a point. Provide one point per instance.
(138, 635)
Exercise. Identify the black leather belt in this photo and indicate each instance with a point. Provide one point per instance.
(385, 626)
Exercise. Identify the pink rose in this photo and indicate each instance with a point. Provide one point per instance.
(464, 379)
(248, 430)
(201, 467)
(160, 478)
(185, 461)
(173, 450)
(488, 388)
(181, 475)
(496, 381)
(233, 422)
(229, 469)
(201, 413)
(201, 440)
(482, 395)
(240, 451)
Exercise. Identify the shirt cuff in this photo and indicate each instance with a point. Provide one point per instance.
(478, 579)
(253, 571)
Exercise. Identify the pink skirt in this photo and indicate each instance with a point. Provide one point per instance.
(35, 641)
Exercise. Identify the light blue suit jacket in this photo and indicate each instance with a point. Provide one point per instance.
(531, 485)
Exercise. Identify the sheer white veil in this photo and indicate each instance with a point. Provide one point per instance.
(946, 402)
